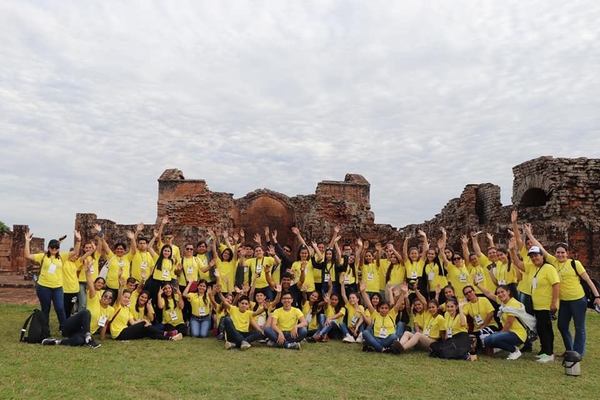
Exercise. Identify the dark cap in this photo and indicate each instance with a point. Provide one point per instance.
(54, 244)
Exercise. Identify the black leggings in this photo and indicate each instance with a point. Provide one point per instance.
(181, 328)
(76, 328)
(545, 331)
(69, 303)
(140, 331)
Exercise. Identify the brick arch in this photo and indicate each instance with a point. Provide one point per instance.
(265, 208)
(533, 190)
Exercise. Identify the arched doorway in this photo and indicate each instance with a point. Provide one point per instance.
(265, 209)
(534, 197)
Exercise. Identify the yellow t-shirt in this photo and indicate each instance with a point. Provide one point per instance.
(503, 275)
(353, 316)
(120, 321)
(397, 275)
(286, 320)
(370, 275)
(330, 312)
(241, 320)
(100, 317)
(174, 248)
(384, 264)
(189, 271)
(94, 302)
(115, 264)
(257, 267)
(141, 262)
(524, 285)
(200, 308)
(541, 286)
(479, 311)
(51, 270)
(434, 277)
(203, 263)
(95, 268)
(172, 313)
(486, 267)
(383, 326)
(516, 327)
(570, 286)
(452, 325)
(458, 278)
(420, 319)
(311, 320)
(135, 313)
(328, 273)
(70, 279)
(309, 279)
(482, 275)
(433, 325)
(414, 269)
(226, 269)
(166, 273)
(349, 278)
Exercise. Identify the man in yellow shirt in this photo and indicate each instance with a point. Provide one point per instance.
(286, 326)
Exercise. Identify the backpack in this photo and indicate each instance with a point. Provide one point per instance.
(455, 348)
(35, 329)
(589, 295)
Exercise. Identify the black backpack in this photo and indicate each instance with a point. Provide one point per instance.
(589, 295)
(35, 329)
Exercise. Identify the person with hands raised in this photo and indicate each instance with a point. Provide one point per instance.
(413, 261)
(141, 259)
(170, 301)
(354, 315)
(118, 261)
(49, 286)
(368, 267)
(381, 331)
(333, 318)
(225, 262)
(237, 324)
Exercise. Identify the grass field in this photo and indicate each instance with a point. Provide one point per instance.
(201, 368)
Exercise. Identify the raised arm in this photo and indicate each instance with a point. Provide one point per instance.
(475, 243)
(490, 239)
(405, 249)
(366, 298)
(151, 244)
(77, 246)
(464, 243)
(318, 255)
(486, 292)
(358, 253)
(425, 249)
(515, 229)
(27, 252)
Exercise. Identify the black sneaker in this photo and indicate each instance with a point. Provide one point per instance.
(93, 344)
(49, 342)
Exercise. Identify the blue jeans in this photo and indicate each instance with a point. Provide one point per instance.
(82, 296)
(199, 326)
(400, 328)
(47, 296)
(574, 309)
(325, 329)
(503, 340)
(376, 342)
(272, 335)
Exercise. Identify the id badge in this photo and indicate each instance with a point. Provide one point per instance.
(383, 333)
(478, 277)
(354, 320)
(259, 269)
(430, 276)
(190, 270)
(326, 278)
(261, 320)
(166, 274)
(370, 276)
(427, 332)
(462, 278)
(216, 272)
(52, 268)
(102, 321)
(413, 275)
(173, 315)
(347, 279)
(501, 282)
(534, 283)
(449, 332)
(144, 265)
(202, 311)
(478, 320)
(121, 263)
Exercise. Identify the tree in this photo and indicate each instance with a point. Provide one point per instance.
(3, 228)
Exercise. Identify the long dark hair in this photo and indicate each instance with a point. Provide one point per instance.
(204, 297)
(340, 303)
(137, 302)
(166, 298)
(388, 274)
(160, 258)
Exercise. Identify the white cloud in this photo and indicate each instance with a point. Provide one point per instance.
(98, 98)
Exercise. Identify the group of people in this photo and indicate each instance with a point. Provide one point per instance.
(450, 303)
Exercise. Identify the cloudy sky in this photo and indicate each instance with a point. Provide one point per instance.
(98, 98)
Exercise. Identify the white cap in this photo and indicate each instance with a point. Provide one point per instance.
(534, 250)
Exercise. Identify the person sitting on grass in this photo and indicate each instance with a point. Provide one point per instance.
(76, 331)
(428, 327)
(333, 318)
(238, 322)
(355, 314)
(202, 304)
(381, 324)
(170, 301)
(286, 326)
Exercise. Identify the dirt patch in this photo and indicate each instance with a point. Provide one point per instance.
(18, 296)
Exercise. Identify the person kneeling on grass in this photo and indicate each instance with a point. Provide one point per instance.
(76, 331)
(124, 327)
(286, 326)
(237, 324)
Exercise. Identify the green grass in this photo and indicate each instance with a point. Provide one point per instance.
(201, 368)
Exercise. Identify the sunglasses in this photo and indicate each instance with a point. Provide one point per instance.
(456, 258)
(190, 248)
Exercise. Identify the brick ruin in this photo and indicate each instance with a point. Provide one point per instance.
(559, 196)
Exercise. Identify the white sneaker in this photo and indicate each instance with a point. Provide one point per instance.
(348, 339)
(293, 346)
(359, 338)
(229, 345)
(245, 345)
(546, 359)
(514, 355)
(538, 356)
(497, 350)
(177, 337)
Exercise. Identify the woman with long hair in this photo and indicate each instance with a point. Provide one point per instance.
(170, 301)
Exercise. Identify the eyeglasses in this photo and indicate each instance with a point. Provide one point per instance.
(189, 248)
(456, 259)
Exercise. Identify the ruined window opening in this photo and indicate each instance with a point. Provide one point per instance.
(534, 197)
